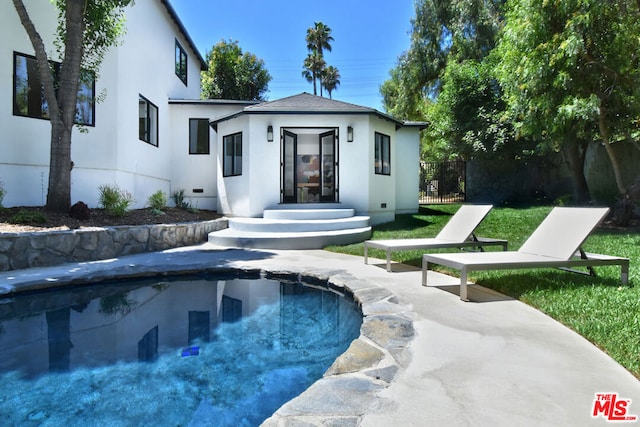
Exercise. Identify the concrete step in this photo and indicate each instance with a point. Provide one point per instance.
(297, 225)
(288, 240)
(307, 214)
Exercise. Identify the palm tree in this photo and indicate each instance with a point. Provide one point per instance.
(330, 79)
(318, 40)
(313, 66)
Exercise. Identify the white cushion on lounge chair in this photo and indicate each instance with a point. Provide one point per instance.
(554, 243)
(455, 234)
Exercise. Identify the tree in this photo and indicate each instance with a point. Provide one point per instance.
(86, 30)
(313, 66)
(570, 70)
(318, 40)
(442, 31)
(330, 79)
(449, 41)
(233, 74)
(468, 119)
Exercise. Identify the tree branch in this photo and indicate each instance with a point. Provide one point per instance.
(46, 77)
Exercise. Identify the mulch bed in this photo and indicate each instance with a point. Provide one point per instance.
(97, 218)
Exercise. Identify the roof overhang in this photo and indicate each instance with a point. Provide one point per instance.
(398, 123)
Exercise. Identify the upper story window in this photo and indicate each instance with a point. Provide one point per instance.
(232, 154)
(28, 93)
(148, 121)
(198, 136)
(181, 63)
(382, 162)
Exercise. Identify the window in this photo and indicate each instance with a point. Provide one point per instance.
(28, 94)
(232, 155)
(382, 163)
(148, 121)
(181, 63)
(198, 136)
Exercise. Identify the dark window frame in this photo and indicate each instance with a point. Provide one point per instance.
(181, 63)
(146, 134)
(382, 156)
(195, 148)
(235, 157)
(43, 112)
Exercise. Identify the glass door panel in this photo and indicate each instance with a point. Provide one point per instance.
(328, 173)
(289, 167)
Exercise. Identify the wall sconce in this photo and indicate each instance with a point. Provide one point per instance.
(270, 133)
(349, 134)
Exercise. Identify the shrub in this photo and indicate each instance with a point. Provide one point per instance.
(3, 192)
(157, 201)
(178, 199)
(80, 211)
(115, 201)
(28, 217)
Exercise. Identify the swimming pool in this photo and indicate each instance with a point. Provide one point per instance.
(201, 350)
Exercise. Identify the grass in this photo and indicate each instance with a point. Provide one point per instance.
(598, 308)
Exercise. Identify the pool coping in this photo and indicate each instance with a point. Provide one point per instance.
(347, 389)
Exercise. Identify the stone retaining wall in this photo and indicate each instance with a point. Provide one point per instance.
(41, 249)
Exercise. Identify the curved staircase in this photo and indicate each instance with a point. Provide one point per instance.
(294, 229)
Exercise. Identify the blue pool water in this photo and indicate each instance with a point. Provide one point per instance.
(190, 352)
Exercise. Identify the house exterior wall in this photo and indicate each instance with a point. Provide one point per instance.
(24, 145)
(408, 159)
(234, 191)
(111, 152)
(382, 188)
(379, 196)
(193, 172)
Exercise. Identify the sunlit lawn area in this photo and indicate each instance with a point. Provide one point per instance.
(598, 308)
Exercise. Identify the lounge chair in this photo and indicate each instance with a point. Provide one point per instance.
(457, 233)
(556, 243)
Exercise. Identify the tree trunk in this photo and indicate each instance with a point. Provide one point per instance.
(61, 104)
(604, 135)
(59, 192)
(571, 149)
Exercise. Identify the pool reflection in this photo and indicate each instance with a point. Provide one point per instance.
(116, 322)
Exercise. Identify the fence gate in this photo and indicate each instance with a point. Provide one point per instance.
(442, 182)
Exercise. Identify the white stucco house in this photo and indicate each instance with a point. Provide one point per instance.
(152, 132)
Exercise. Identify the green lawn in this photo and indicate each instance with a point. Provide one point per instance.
(598, 308)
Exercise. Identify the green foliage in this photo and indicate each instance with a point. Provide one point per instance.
(330, 79)
(314, 67)
(115, 201)
(28, 217)
(179, 199)
(3, 192)
(570, 71)
(443, 31)
(468, 121)
(233, 74)
(157, 201)
(104, 27)
(598, 308)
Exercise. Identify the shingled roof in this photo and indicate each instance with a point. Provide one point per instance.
(305, 103)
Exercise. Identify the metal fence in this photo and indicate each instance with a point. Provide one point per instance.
(442, 182)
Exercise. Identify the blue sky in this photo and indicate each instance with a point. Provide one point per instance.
(369, 36)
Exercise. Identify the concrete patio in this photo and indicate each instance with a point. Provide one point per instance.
(494, 362)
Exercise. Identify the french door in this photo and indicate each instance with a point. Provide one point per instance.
(309, 166)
